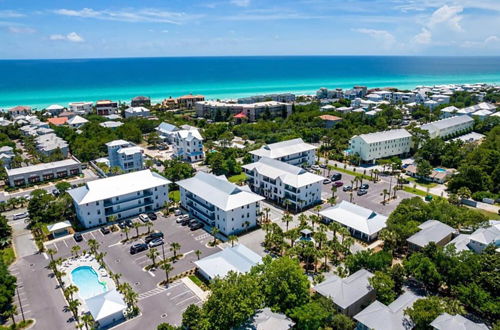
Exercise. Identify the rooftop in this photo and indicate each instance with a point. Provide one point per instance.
(446, 123)
(41, 167)
(57, 121)
(430, 231)
(117, 186)
(291, 175)
(238, 259)
(218, 191)
(346, 291)
(330, 118)
(487, 235)
(77, 120)
(385, 135)
(167, 128)
(446, 321)
(111, 124)
(284, 148)
(356, 217)
(105, 304)
(116, 143)
(266, 319)
(189, 134)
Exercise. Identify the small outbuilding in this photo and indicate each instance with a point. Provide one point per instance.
(107, 308)
(59, 229)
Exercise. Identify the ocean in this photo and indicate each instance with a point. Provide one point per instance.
(39, 83)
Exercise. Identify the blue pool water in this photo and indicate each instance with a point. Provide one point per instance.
(438, 169)
(87, 281)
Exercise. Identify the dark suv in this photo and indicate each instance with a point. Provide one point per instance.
(138, 248)
(336, 176)
(78, 237)
(152, 216)
(153, 236)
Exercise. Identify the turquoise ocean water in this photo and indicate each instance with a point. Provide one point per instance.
(39, 83)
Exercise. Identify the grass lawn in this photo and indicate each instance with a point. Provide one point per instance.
(7, 255)
(198, 282)
(341, 169)
(422, 183)
(238, 178)
(175, 195)
(489, 215)
(418, 192)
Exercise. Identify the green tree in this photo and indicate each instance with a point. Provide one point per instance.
(192, 318)
(342, 322)
(310, 316)
(424, 168)
(384, 287)
(425, 310)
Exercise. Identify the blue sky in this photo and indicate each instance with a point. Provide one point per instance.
(127, 28)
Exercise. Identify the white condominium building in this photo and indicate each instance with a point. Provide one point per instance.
(220, 203)
(252, 111)
(81, 108)
(122, 196)
(280, 182)
(293, 152)
(125, 155)
(373, 146)
(188, 145)
(449, 126)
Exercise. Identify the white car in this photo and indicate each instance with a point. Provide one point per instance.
(177, 212)
(182, 218)
(156, 242)
(143, 217)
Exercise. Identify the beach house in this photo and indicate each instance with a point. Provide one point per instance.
(294, 152)
(373, 146)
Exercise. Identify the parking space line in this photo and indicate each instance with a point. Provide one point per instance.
(181, 294)
(64, 241)
(92, 234)
(100, 232)
(150, 273)
(185, 300)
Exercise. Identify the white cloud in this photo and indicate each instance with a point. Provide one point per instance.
(72, 37)
(132, 16)
(381, 35)
(20, 29)
(241, 3)
(10, 14)
(424, 37)
(491, 39)
(447, 15)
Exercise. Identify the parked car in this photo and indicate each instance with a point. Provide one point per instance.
(156, 242)
(78, 237)
(327, 181)
(122, 224)
(143, 217)
(322, 165)
(105, 230)
(152, 216)
(55, 192)
(129, 223)
(153, 236)
(138, 248)
(315, 168)
(197, 225)
(338, 183)
(177, 212)
(182, 218)
(362, 192)
(364, 186)
(21, 215)
(185, 222)
(336, 176)
(347, 188)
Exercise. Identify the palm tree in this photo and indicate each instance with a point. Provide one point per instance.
(302, 220)
(334, 227)
(126, 230)
(167, 267)
(214, 231)
(293, 235)
(11, 312)
(136, 226)
(384, 193)
(287, 203)
(314, 219)
(267, 210)
(93, 245)
(174, 247)
(51, 253)
(73, 307)
(116, 277)
(150, 225)
(334, 190)
(152, 254)
(287, 218)
(198, 254)
(70, 291)
(130, 296)
(320, 238)
(351, 195)
(232, 239)
(88, 320)
(75, 249)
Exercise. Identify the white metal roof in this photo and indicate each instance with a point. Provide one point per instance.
(41, 167)
(356, 217)
(189, 134)
(130, 150)
(116, 143)
(218, 191)
(105, 304)
(446, 321)
(58, 226)
(378, 316)
(111, 124)
(346, 291)
(117, 186)
(488, 235)
(239, 259)
(54, 107)
(385, 135)
(446, 123)
(430, 231)
(136, 109)
(291, 175)
(284, 148)
(77, 120)
(461, 242)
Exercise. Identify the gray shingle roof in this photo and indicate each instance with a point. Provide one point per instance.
(446, 321)
(430, 231)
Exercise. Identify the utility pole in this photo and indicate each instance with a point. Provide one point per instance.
(163, 250)
(20, 305)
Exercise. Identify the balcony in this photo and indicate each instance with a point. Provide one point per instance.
(290, 197)
(111, 202)
(195, 199)
(291, 189)
(199, 210)
(112, 212)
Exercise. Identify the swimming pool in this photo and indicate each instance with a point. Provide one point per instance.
(87, 281)
(438, 169)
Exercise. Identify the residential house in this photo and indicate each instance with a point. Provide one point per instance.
(252, 112)
(6, 156)
(439, 175)
(47, 144)
(266, 319)
(57, 121)
(220, 203)
(450, 111)
(285, 184)
(106, 107)
(470, 137)
(125, 155)
(373, 146)
(140, 101)
(20, 110)
(238, 259)
(431, 231)
(167, 131)
(188, 145)
(54, 109)
(188, 101)
(43, 172)
(446, 321)
(121, 196)
(293, 152)
(81, 108)
(111, 124)
(107, 308)
(349, 295)
(137, 112)
(362, 223)
(448, 127)
(330, 120)
(77, 122)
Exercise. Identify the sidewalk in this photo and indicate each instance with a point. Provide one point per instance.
(203, 295)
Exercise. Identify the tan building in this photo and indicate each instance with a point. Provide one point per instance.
(188, 101)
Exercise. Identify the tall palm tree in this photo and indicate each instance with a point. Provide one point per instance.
(116, 277)
(267, 210)
(75, 249)
(88, 320)
(198, 254)
(214, 231)
(136, 226)
(334, 227)
(317, 208)
(93, 245)
(130, 297)
(150, 225)
(287, 218)
(71, 290)
(174, 247)
(51, 253)
(287, 203)
(73, 307)
(302, 220)
(153, 254)
(167, 267)
(126, 230)
(320, 238)
(232, 239)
